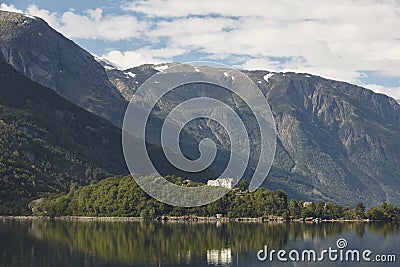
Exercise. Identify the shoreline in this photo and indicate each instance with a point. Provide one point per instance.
(180, 219)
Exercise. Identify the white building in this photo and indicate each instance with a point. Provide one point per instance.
(223, 182)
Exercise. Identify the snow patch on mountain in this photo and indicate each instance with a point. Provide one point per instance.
(130, 74)
(268, 76)
(161, 68)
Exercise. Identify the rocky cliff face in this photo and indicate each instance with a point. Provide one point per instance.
(336, 141)
(45, 56)
(342, 138)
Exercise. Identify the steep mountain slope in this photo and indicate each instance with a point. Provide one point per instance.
(48, 143)
(336, 141)
(42, 54)
(343, 138)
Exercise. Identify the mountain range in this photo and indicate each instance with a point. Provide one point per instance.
(335, 141)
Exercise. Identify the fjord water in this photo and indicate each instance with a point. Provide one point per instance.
(41, 242)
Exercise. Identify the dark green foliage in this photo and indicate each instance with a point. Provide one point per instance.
(375, 213)
(243, 185)
(386, 212)
(121, 196)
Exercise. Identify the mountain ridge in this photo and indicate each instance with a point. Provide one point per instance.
(45, 56)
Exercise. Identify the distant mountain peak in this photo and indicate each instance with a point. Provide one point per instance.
(17, 15)
(45, 56)
(107, 65)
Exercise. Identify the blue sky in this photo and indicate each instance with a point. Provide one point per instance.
(352, 40)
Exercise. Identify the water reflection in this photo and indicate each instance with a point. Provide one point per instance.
(221, 257)
(71, 243)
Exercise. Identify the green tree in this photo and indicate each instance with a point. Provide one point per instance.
(375, 213)
(308, 210)
(359, 211)
(243, 185)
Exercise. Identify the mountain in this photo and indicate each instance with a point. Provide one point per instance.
(47, 143)
(336, 141)
(45, 56)
(342, 138)
(129, 80)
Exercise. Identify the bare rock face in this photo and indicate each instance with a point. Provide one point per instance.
(343, 139)
(42, 54)
(33, 204)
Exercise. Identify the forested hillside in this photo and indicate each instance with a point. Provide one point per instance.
(48, 143)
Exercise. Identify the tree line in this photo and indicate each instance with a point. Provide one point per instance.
(122, 197)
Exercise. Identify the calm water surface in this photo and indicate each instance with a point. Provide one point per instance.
(62, 243)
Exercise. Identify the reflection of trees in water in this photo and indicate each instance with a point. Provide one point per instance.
(22, 243)
(384, 229)
(151, 243)
(312, 231)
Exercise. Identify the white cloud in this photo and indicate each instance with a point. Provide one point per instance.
(10, 8)
(128, 59)
(50, 18)
(393, 92)
(93, 24)
(260, 64)
(337, 40)
(125, 60)
(145, 55)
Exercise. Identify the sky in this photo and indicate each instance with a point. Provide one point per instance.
(356, 41)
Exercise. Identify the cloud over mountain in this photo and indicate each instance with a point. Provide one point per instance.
(355, 41)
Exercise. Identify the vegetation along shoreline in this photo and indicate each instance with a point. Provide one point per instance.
(121, 197)
(168, 219)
